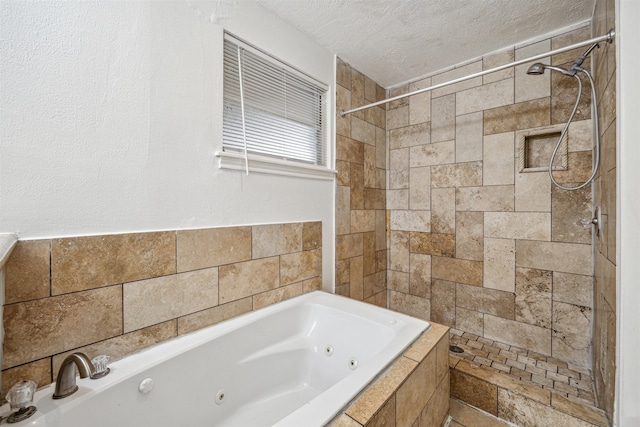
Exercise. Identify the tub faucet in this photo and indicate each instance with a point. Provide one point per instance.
(66, 382)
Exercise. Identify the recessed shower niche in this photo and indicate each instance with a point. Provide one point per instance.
(535, 147)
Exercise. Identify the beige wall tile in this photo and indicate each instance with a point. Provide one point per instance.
(399, 169)
(563, 257)
(436, 153)
(494, 60)
(210, 247)
(433, 244)
(443, 302)
(484, 97)
(122, 345)
(375, 396)
(527, 86)
(343, 177)
(374, 198)
(443, 118)
(571, 338)
(56, 324)
(468, 415)
(498, 159)
(484, 300)
(386, 417)
(469, 130)
(276, 295)
(573, 289)
(411, 220)
(356, 278)
(474, 391)
(312, 235)
(580, 136)
(374, 285)
(517, 333)
(410, 136)
(533, 192)
(398, 199)
(420, 107)
(152, 301)
(398, 281)
(300, 266)
(80, 263)
(349, 150)
(343, 103)
(362, 221)
(563, 98)
(381, 148)
(499, 264)
(415, 392)
(469, 235)
(369, 89)
(523, 115)
(381, 230)
(410, 304)
(457, 270)
(370, 166)
(344, 420)
(459, 71)
(27, 272)
(398, 118)
(38, 371)
(533, 296)
(213, 315)
(343, 73)
(567, 39)
(517, 409)
(456, 175)
(443, 210)
(248, 278)
(518, 225)
(419, 275)
(310, 285)
(399, 251)
(349, 245)
(276, 239)
(420, 188)
(469, 321)
(363, 131)
(343, 210)
(369, 253)
(491, 198)
(568, 208)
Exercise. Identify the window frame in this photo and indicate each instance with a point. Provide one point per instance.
(234, 159)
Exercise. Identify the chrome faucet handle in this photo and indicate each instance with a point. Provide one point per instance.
(101, 366)
(20, 397)
(66, 382)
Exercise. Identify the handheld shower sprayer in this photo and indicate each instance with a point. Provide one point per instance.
(538, 69)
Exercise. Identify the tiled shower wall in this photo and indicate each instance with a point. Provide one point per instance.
(475, 243)
(361, 243)
(604, 334)
(116, 294)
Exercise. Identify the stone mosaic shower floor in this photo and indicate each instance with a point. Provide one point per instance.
(488, 371)
(561, 377)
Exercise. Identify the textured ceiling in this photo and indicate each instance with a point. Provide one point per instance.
(394, 41)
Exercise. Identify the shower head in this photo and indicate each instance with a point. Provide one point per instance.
(536, 69)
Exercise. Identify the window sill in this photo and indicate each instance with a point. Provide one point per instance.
(268, 165)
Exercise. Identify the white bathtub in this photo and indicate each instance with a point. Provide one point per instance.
(296, 363)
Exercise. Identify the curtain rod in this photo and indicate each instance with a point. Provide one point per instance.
(607, 37)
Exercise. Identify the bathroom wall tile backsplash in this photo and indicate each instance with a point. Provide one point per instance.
(116, 294)
(508, 256)
(361, 161)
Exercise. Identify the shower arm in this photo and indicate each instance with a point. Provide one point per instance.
(594, 41)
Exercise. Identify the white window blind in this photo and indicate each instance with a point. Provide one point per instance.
(284, 115)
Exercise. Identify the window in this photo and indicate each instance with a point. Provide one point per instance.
(274, 116)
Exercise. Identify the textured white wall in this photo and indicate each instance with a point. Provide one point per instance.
(110, 113)
(628, 274)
